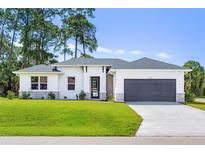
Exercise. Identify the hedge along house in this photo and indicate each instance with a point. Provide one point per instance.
(141, 80)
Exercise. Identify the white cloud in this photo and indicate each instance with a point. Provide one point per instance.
(106, 50)
(71, 46)
(136, 52)
(164, 55)
(18, 44)
(119, 51)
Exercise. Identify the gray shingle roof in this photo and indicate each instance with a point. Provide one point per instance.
(93, 61)
(147, 63)
(39, 68)
(143, 63)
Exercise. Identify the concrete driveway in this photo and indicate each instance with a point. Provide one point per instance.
(169, 119)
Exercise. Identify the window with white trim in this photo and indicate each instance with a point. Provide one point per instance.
(71, 83)
(34, 82)
(43, 82)
(39, 83)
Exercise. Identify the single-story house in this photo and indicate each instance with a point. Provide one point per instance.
(141, 80)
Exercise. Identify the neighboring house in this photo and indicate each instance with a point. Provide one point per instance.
(141, 80)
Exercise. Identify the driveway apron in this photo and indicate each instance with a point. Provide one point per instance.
(169, 119)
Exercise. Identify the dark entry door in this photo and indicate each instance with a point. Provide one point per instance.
(95, 87)
(150, 90)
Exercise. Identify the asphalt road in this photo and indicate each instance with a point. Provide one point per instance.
(102, 140)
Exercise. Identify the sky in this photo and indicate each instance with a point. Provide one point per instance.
(170, 35)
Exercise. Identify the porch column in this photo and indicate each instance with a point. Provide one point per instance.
(86, 83)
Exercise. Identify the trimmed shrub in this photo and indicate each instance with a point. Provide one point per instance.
(51, 95)
(25, 95)
(189, 97)
(110, 98)
(82, 95)
(10, 94)
(76, 96)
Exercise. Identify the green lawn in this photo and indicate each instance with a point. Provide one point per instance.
(66, 118)
(197, 105)
(201, 97)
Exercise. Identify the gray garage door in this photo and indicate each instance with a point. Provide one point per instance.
(150, 90)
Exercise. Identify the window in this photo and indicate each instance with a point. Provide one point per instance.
(43, 83)
(71, 83)
(34, 83)
(39, 83)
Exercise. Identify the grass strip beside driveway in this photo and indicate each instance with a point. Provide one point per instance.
(196, 105)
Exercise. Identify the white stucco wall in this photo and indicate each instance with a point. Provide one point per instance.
(76, 72)
(25, 82)
(82, 80)
(59, 83)
(120, 75)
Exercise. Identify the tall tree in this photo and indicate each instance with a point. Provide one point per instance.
(5, 28)
(15, 27)
(38, 35)
(87, 37)
(81, 30)
(62, 43)
(30, 36)
(194, 80)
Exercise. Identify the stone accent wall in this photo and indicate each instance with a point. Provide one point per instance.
(119, 97)
(109, 84)
(103, 96)
(180, 97)
(40, 94)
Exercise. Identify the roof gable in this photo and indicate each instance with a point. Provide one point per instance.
(147, 63)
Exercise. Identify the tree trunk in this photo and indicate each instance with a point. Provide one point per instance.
(2, 36)
(42, 39)
(9, 83)
(14, 33)
(76, 47)
(25, 43)
(83, 48)
(64, 55)
(83, 45)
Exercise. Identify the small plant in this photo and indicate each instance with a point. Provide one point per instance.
(82, 95)
(76, 96)
(10, 95)
(51, 95)
(65, 97)
(42, 97)
(189, 97)
(25, 95)
(110, 98)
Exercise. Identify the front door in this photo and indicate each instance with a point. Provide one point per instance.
(95, 87)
